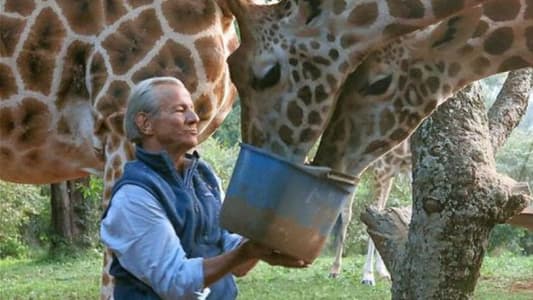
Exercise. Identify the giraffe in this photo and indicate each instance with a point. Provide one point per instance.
(66, 69)
(396, 87)
(383, 170)
(295, 55)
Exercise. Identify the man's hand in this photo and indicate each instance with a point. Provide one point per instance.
(253, 251)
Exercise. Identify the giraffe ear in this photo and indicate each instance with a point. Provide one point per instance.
(451, 33)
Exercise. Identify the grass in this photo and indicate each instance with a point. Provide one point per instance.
(504, 277)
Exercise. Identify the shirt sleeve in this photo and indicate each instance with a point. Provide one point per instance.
(140, 235)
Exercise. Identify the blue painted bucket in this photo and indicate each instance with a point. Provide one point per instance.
(286, 206)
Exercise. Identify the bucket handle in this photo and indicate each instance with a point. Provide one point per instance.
(341, 177)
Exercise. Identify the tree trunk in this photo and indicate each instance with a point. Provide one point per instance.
(458, 198)
(69, 214)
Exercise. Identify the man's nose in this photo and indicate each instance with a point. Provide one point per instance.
(192, 117)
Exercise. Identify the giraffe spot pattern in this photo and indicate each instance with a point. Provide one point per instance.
(386, 121)
(27, 125)
(481, 29)
(84, 16)
(339, 6)
(412, 98)
(22, 7)
(499, 41)
(307, 135)
(399, 134)
(37, 58)
(501, 10)
(203, 107)
(73, 77)
(172, 60)
(6, 154)
(33, 158)
(529, 38)
(430, 106)
(98, 73)
(376, 146)
(8, 85)
(348, 40)
(114, 99)
(137, 3)
(310, 71)
(10, 30)
(393, 30)
(320, 94)
(433, 84)
(305, 94)
(132, 40)
(364, 14)
(285, 133)
(190, 17)
(314, 118)
(295, 113)
(212, 56)
(114, 9)
(409, 9)
(513, 63)
(443, 8)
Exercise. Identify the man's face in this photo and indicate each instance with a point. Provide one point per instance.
(174, 127)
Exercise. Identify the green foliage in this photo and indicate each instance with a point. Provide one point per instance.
(20, 205)
(229, 134)
(220, 157)
(91, 210)
(516, 160)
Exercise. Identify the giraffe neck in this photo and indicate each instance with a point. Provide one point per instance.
(416, 78)
(295, 56)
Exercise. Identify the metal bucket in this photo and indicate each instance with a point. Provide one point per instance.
(286, 206)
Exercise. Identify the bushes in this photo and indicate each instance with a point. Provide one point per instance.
(21, 207)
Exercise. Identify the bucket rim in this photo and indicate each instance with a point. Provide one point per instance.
(316, 171)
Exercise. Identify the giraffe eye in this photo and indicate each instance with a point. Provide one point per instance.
(269, 79)
(378, 87)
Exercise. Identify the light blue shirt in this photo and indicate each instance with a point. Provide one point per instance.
(141, 236)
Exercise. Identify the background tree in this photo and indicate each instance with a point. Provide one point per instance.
(458, 197)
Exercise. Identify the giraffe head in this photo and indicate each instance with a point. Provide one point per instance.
(398, 86)
(295, 55)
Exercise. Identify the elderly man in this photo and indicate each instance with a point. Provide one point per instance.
(162, 225)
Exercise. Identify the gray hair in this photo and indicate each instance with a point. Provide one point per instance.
(143, 99)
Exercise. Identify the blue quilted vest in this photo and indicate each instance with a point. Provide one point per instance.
(192, 204)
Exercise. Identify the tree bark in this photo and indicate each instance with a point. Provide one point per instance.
(458, 197)
(69, 215)
(510, 106)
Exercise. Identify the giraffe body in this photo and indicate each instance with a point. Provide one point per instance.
(66, 70)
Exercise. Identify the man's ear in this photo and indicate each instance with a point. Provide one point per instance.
(144, 123)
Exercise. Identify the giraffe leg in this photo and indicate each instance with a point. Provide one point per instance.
(108, 282)
(386, 185)
(117, 152)
(368, 268)
(341, 230)
(381, 269)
